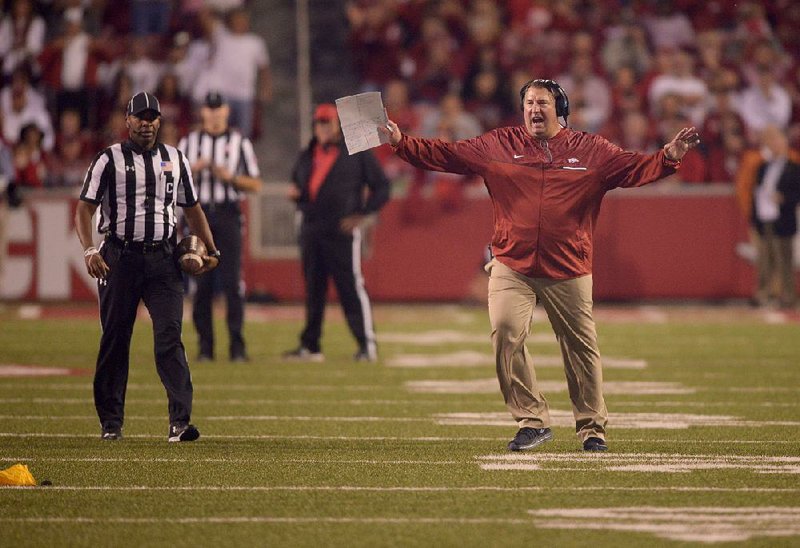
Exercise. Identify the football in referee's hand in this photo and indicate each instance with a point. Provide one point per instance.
(191, 251)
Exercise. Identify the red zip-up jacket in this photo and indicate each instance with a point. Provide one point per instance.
(546, 194)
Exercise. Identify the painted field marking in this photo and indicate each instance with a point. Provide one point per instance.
(226, 401)
(490, 385)
(688, 524)
(133, 400)
(436, 338)
(241, 418)
(15, 387)
(640, 462)
(273, 519)
(470, 358)
(726, 404)
(449, 439)
(670, 421)
(484, 386)
(435, 439)
(14, 370)
(420, 489)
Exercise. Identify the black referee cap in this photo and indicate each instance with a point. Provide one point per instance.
(143, 101)
(214, 99)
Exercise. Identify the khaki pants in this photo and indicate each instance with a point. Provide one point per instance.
(774, 263)
(568, 303)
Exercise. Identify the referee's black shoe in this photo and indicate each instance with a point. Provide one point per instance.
(528, 438)
(185, 432)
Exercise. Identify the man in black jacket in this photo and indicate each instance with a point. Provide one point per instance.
(774, 216)
(336, 194)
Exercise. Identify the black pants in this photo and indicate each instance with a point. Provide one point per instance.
(226, 225)
(329, 253)
(155, 278)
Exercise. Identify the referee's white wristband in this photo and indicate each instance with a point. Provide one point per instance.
(89, 251)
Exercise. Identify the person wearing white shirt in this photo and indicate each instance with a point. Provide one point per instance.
(680, 80)
(239, 67)
(765, 104)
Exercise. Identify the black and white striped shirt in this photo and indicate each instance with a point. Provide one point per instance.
(137, 190)
(230, 149)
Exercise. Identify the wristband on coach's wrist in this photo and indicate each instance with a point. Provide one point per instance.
(215, 253)
(89, 251)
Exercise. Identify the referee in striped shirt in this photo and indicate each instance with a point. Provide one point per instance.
(137, 185)
(225, 167)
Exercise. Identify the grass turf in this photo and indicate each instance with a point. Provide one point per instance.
(345, 454)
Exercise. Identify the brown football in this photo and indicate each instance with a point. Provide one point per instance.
(191, 251)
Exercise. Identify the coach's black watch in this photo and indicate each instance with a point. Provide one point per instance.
(215, 253)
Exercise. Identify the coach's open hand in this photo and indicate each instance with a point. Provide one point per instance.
(686, 139)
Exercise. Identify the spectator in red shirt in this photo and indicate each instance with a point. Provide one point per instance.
(30, 160)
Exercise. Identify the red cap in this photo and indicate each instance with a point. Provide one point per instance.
(326, 111)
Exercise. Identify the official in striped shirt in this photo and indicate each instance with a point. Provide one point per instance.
(137, 185)
(224, 167)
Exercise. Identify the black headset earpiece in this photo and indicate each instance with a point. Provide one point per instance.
(562, 101)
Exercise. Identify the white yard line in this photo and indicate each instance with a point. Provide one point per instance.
(559, 418)
(306, 401)
(646, 421)
(683, 440)
(87, 385)
(468, 358)
(241, 418)
(687, 524)
(271, 519)
(459, 439)
(414, 489)
(490, 386)
(226, 401)
(634, 462)
(259, 437)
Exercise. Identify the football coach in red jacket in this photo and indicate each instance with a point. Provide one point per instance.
(546, 182)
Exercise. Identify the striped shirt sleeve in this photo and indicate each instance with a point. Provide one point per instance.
(249, 161)
(94, 184)
(187, 195)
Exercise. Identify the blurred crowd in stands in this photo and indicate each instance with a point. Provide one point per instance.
(70, 66)
(635, 70)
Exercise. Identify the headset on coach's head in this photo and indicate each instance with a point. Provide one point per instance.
(562, 101)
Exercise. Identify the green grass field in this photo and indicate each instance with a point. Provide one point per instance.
(411, 451)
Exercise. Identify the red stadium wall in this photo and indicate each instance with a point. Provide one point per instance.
(648, 245)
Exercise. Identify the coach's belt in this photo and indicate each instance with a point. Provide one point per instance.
(137, 246)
